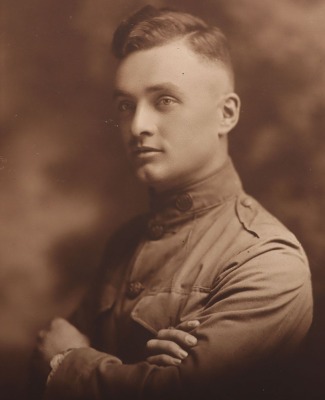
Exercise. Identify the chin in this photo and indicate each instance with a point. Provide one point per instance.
(151, 178)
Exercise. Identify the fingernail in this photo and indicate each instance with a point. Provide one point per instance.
(183, 354)
(191, 340)
(193, 324)
(177, 361)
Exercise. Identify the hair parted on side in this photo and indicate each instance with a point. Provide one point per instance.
(150, 27)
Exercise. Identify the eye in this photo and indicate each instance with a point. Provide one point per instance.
(125, 106)
(166, 101)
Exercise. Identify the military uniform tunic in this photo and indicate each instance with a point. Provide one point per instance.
(209, 252)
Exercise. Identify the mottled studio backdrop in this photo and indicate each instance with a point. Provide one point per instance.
(64, 181)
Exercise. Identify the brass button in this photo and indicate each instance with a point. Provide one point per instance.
(247, 202)
(155, 230)
(134, 289)
(184, 202)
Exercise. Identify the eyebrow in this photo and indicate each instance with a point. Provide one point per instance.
(163, 86)
(151, 89)
(121, 93)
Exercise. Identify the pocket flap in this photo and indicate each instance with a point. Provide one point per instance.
(159, 310)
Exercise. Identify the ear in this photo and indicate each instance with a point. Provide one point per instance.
(230, 109)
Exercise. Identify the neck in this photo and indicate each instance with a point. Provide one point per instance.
(204, 173)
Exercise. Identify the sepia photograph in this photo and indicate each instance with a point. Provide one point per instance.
(162, 200)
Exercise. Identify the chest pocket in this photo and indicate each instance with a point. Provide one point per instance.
(169, 307)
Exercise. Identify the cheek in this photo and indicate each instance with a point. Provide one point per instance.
(191, 122)
(204, 111)
(124, 129)
(180, 136)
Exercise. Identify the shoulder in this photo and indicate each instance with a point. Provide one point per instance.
(266, 245)
(256, 220)
(270, 263)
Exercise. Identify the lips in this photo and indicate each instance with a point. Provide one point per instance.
(144, 150)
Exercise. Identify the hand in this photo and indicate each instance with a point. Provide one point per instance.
(171, 345)
(59, 337)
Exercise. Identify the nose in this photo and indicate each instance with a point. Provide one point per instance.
(143, 121)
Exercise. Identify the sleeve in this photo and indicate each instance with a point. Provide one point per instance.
(259, 308)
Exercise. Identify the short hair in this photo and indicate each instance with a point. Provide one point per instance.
(151, 27)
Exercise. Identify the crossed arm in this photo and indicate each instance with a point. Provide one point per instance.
(253, 313)
(170, 346)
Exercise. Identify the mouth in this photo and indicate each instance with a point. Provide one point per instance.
(144, 150)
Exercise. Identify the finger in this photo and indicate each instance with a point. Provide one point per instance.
(182, 338)
(193, 323)
(164, 360)
(166, 347)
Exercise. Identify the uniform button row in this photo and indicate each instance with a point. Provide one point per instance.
(134, 289)
(155, 230)
(184, 202)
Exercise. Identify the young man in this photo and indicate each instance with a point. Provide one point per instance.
(207, 260)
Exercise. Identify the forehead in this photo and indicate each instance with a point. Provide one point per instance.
(174, 62)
